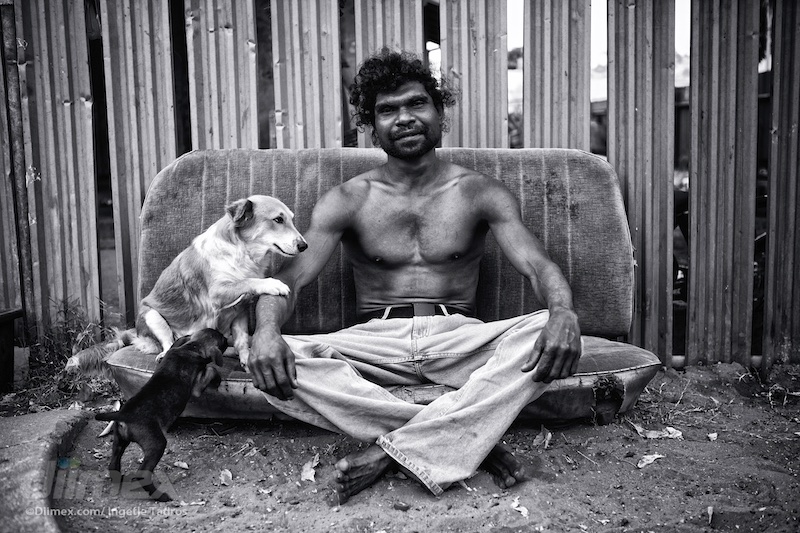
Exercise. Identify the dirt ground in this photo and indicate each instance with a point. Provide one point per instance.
(733, 468)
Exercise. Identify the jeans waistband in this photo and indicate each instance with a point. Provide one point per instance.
(410, 310)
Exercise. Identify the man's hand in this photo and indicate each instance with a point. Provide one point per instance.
(271, 364)
(557, 350)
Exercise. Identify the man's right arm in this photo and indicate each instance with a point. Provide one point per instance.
(271, 362)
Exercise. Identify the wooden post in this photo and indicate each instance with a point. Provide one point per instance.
(17, 160)
(7, 317)
(10, 287)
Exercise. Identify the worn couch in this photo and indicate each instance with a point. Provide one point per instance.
(570, 199)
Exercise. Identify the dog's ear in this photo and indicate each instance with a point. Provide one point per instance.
(241, 211)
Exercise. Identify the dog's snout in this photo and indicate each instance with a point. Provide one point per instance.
(211, 336)
(302, 245)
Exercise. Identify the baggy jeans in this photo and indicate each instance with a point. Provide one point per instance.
(341, 375)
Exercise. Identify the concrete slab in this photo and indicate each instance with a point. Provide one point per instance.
(30, 446)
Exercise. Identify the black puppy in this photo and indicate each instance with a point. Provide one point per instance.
(145, 418)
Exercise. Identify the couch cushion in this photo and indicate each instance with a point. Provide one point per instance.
(570, 200)
(608, 371)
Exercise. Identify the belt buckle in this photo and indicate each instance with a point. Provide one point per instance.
(424, 309)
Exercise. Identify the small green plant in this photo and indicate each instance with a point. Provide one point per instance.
(49, 386)
(69, 331)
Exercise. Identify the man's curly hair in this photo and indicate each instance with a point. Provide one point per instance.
(386, 71)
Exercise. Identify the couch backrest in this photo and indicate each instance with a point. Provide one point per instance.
(570, 199)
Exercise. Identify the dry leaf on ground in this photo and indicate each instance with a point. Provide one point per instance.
(308, 471)
(666, 433)
(519, 508)
(649, 459)
(543, 438)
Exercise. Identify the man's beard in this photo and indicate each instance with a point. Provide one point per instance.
(392, 148)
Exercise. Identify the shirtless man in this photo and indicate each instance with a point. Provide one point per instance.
(414, 229)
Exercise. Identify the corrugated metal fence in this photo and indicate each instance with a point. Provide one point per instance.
(231, 81)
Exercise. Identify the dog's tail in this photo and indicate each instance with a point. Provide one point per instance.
(92, 360)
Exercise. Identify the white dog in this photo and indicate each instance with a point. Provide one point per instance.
(210, 283)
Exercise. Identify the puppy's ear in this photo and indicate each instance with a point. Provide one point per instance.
(241, 211)
(211, 355)
(217, 359)
(209, 377)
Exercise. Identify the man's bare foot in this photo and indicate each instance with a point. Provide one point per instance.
(505, 469)
(359, 470)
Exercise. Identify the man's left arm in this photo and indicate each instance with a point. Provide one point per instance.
(558, 349)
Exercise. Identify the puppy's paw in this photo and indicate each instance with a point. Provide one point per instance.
(274, 286)
(160, 356)
(216, 379)
(163, 497)
(156, 493)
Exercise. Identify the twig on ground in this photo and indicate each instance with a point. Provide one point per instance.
(587, 458)
(680, 398)
(243, 448)
(626, 461)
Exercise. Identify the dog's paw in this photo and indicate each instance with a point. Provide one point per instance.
(164, 497)
(160, 356)
(275, 287)
(243, 357)
(156, 493)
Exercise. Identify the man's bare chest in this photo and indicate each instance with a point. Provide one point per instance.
(398, 231)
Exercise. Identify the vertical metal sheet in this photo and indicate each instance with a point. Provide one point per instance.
(307, 70)
(221, 44)
(137, 59)
(556, 70)
(475, 59)
(782, 310)
(722, 179)
(641, 148)
(396, 24)
(61, 172)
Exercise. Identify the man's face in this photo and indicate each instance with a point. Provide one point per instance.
(407, 123)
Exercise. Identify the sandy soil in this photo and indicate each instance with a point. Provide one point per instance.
(735, 468)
